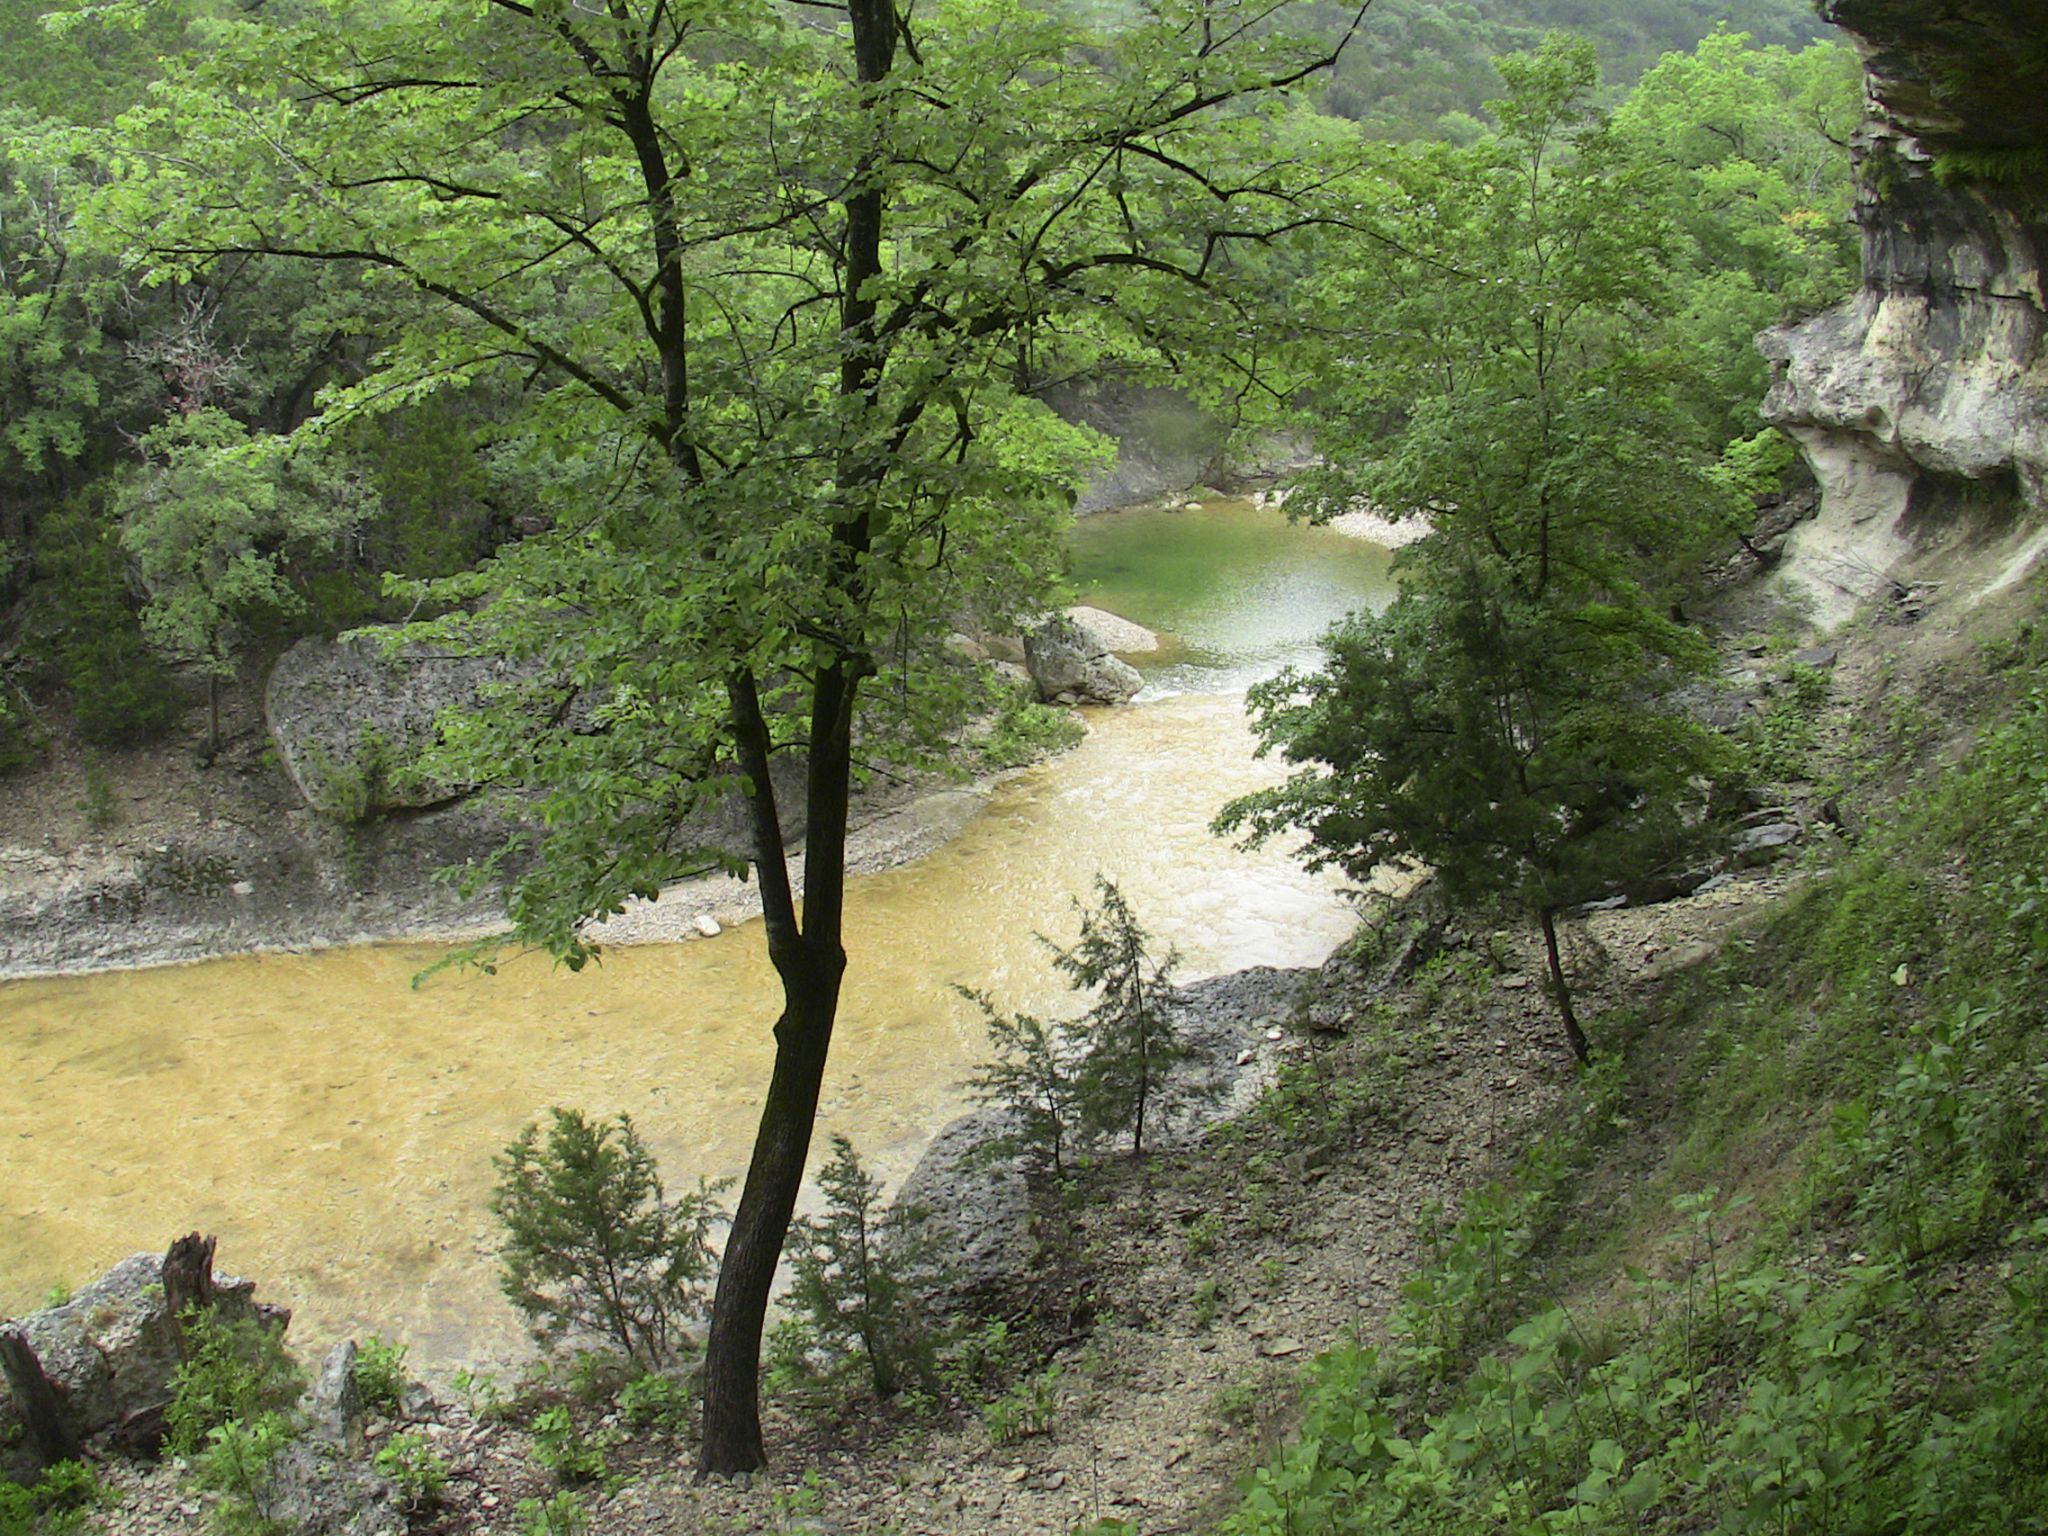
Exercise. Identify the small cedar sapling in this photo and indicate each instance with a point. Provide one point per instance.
(1126, 1077)
(851, 1274)
(592, 1243)
(1031, 1078)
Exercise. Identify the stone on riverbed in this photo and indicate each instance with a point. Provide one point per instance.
(1069, 664)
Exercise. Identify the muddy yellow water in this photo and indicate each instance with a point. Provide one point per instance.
(335, 1126)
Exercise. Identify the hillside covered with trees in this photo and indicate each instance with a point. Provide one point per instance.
(1666, 1156)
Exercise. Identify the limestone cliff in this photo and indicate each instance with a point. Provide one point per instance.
(1927, 393)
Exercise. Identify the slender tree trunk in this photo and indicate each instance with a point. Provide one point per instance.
(810, 959)
(810, 956)
(732, 1410)
(1547, 916)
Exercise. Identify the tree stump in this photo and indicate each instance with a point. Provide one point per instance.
(41, 1403)
(188, 1282)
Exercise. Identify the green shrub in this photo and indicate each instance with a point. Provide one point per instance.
(232, 1371)
(410, 1462)
(1030, 1079)
(562, 1515)
(236, 1465)
(84, 615)
(593, 1246)
(1025, 731)
(656, 1402)
(380, 1374)
(58, 1505)
(1028, 1408)
(850, 1282)
(563, 1450)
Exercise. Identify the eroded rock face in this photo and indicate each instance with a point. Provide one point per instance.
(349, 721)
(1927, 393)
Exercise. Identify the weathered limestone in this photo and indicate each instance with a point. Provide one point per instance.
(1071, 664)
(349, 721)
(1926, 395)
(112, 1348)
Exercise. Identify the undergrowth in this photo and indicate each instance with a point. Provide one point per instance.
(1858, 1350)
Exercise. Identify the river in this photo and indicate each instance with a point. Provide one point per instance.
(335, 1124)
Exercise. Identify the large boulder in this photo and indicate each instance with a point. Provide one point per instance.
(1070, 664)
(317, 1489)
(112, 1349)
(974, 1210)
(350, 720)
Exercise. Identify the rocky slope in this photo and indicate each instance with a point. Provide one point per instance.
(1923, 400)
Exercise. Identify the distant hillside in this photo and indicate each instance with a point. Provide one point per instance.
(1421, 67)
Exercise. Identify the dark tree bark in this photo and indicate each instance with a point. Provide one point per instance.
(1547, 916)
(809, 956)
(188, 1281)
(39, 1399)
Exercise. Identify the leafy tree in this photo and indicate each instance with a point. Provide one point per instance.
(1508, 721)
(1131, 1046)
(1758, 200)
(593, 1245)
(772, 287)
(850, 1273)
(207, 520)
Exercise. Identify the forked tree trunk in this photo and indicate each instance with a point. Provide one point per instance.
(1547, 916)
(809, 957)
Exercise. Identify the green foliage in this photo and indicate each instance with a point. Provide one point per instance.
(592, 1244)
(380, 1374)
(1025, 731)
(981, 1357)
(1131, 1046)
(1757, 198)
(84, 622)
(850, 1280)
(481, 1395)
(412, 1463)
(232, 1372)
(1424, 67)
(1031, 1079)
(655, 1402)
(565, 1514)
(2014, 167)
(1027, 1409)
(1508, 721)
(208, 520)
(1870, 1363)
(235, 1464)
(58, 1505)
(563, 1450)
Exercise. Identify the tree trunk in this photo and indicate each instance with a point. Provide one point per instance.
(1547, 916)
(188, 1281)
(42, 1408)
(810, 957)
(732, 1409)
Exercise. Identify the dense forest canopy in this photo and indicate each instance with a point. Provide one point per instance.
(694, 359)
(95, 365)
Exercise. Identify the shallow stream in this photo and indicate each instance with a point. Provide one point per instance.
(335, 1125)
